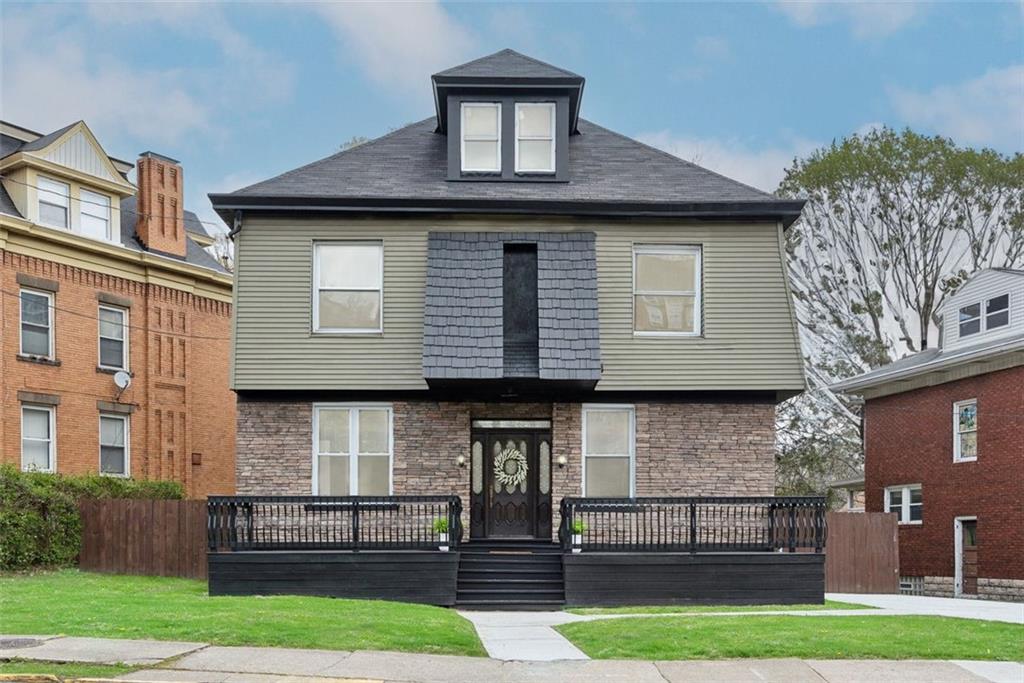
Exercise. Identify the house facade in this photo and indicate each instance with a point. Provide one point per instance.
(116, 321)
(944, 445)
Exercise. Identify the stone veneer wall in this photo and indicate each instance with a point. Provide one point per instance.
(1010, 590)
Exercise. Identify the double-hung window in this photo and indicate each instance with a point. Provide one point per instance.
(965, 431)
(997, 312)
(114, 442)
(36, 323)
(113, 337)
(608, 451)
(37, 438)
(481, 137)
(352, 448)
(348, 283)
(94, 219)
(906, 502)
(666, 290)
(54, 200)
(973, 319)
(535, 137)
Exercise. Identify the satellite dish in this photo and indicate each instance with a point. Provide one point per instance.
(122, 379)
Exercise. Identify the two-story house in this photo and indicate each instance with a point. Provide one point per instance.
(115, 334)
(944, 445)
(510, 303)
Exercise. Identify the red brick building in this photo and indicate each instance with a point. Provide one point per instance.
(104, 280)
(944, 446)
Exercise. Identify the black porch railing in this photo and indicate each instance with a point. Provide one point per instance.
(703, 524)
(240, 523)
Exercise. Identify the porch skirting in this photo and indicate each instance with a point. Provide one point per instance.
(403, 575)
(613, 579)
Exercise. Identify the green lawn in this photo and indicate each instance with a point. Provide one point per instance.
(73, 670)
(76, 603)
(829, 637)
(698, 609)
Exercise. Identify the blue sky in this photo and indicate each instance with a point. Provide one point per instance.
(242, 91)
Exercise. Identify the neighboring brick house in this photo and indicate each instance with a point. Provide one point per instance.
(944, 445)
(103, 279)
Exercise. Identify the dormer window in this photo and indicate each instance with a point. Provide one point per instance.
(95, 217)
(535, 137)
(54, 199)
(481, 137)
(996, 314)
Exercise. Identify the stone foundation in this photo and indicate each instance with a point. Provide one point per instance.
(1009, 590)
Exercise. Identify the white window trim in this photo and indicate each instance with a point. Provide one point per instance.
(983, 314)
(91, 203)
(904, 512)
(49, 323)
(553, 138)
(316, 289)
(127, 445)
(52, 414)
(39, 200)
(353, 443)
(125, 329)
(462, 134)
(956, 428)
(698, 311)
(596, 407)
(958, 552)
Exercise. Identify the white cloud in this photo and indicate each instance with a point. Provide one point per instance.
(399, 44)
(986, 110)
(762, 168)
(867, 18)
(712, 48)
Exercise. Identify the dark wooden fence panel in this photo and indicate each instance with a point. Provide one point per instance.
(148, 537)
(862, 553)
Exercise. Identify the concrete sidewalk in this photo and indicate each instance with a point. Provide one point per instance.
(986, 610)
(199, 663)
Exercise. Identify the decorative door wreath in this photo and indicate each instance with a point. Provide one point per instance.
(510, 467)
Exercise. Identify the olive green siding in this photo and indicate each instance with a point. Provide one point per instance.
(749, 340)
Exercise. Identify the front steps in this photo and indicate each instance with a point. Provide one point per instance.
(510, 575)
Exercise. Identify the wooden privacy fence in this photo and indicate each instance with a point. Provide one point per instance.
(149, 537)
(862, 553)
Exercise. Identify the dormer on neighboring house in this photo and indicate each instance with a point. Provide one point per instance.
(988, 306)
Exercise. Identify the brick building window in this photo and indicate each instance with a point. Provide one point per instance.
(114, 445)
(348, 287)
(965, 430)
(608, 451)
(353, 450)
(36, 323)
(666, 290)
(113, 334)
(37, 438)
(906, 502)
(54, 200)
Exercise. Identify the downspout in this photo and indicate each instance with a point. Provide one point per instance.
(236, 225)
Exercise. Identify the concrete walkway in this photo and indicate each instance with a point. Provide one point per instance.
(987, 610)
(525, 635)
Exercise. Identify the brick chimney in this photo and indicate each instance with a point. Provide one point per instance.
(161, 223)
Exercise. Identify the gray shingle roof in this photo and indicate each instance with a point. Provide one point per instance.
(7, 204)
(463, 321)
(411, 163)
(194, 253)
(506, 64)
(43, 141)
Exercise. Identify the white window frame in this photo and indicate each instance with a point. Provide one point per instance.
(552, 138)
(126, 419)
(353, 443)
(608, 407)
(40, 190)
(88, 201)
(958, 551)
(317, 329)
(985, 314)
(982, 316)
(52, 415)
(49, 322)
(478, 138)
(125, 328)
(957, 457)
(904, 511)
(698, 310)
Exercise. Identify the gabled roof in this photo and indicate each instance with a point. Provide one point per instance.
(46, 140)
(610, 174)
(507, 64)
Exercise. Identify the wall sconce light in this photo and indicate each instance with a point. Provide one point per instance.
(560, 461)
(461, 460)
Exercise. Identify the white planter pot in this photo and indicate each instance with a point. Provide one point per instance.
(443, 542)
(577, 542)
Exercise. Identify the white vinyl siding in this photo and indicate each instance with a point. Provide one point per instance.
(481, 137)
(38, 438)
(666, 290)
(992, 304)
(906, 501)
(352, 449)
(535, 137)
(114, 445)
(348, 287)
(36, 311)
(54, 203)
(965, 431)
(608, 451)
(113, 338)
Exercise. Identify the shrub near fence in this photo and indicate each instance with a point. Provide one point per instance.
(40, 523)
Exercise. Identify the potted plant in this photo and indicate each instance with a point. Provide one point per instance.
(441, 529)
(578, 529)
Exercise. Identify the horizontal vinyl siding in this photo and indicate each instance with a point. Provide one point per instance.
(983, 287)
(748, 344)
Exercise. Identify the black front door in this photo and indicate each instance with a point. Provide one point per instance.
(514, 500)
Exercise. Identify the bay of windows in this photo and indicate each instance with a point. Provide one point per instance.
(666, 289)
(348, 286)
(353, 446)
(608, 451)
